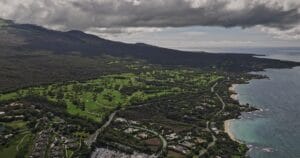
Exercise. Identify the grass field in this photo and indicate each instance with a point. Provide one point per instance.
(11, 151)
(18, 144)
(95, 99)
(16, 124)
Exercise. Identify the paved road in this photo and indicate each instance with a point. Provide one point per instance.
(213, 143)
(223, 104)
(163, 140)
(219, 97)
(17, 147)
(90, 140)
(212, 89)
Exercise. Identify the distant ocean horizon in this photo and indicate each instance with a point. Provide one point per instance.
(246, 50)
(272, 132)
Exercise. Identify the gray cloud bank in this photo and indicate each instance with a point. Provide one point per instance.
(273, 16)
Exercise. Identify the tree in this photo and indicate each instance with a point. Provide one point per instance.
(137, 97)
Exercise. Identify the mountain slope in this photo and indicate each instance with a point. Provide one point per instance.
(32, 55)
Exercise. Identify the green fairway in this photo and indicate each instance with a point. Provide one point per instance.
(16, 145)
(95, 99)
(17, 124)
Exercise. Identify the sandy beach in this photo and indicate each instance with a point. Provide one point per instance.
(234, 95)
(227, 129)
(232, 88)
(227, 125)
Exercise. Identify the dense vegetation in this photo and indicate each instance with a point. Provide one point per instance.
(31, 55)
(97, 98)
(24, 120)
(63, 94)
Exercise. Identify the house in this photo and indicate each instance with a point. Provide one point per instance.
(226, 113)
(215, 130)
(120, 120)
(171, 136)
(19, 117)
(8, 136)
(130, 130)
(199, 140)
(187, 144)
(180, 149)
(199, 108)
(143, 135)
(133, 122)
(15, 104)
(187, 137)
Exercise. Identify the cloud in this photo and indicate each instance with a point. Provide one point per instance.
(289, 34)
(123, 15)
(103, 31)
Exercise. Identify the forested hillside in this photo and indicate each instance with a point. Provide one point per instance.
(32, 55)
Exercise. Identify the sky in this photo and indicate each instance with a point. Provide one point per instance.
(180, 24)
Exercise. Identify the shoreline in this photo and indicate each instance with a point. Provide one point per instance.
(227, 123)
(227, 130)
(233, 94)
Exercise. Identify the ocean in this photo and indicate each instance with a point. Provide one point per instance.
(274, 131)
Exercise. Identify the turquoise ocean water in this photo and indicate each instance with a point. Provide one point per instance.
(273, 132)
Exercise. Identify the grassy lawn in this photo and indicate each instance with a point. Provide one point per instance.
(8, 96)
(69, 153)
(16, 124)
(95, 99)
(11, 150)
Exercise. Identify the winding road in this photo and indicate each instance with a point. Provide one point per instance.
(211, 144)
(163, 140)
(219, 97)
(17, 147)
(90, 140)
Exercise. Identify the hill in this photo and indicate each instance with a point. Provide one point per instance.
(32, 55)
